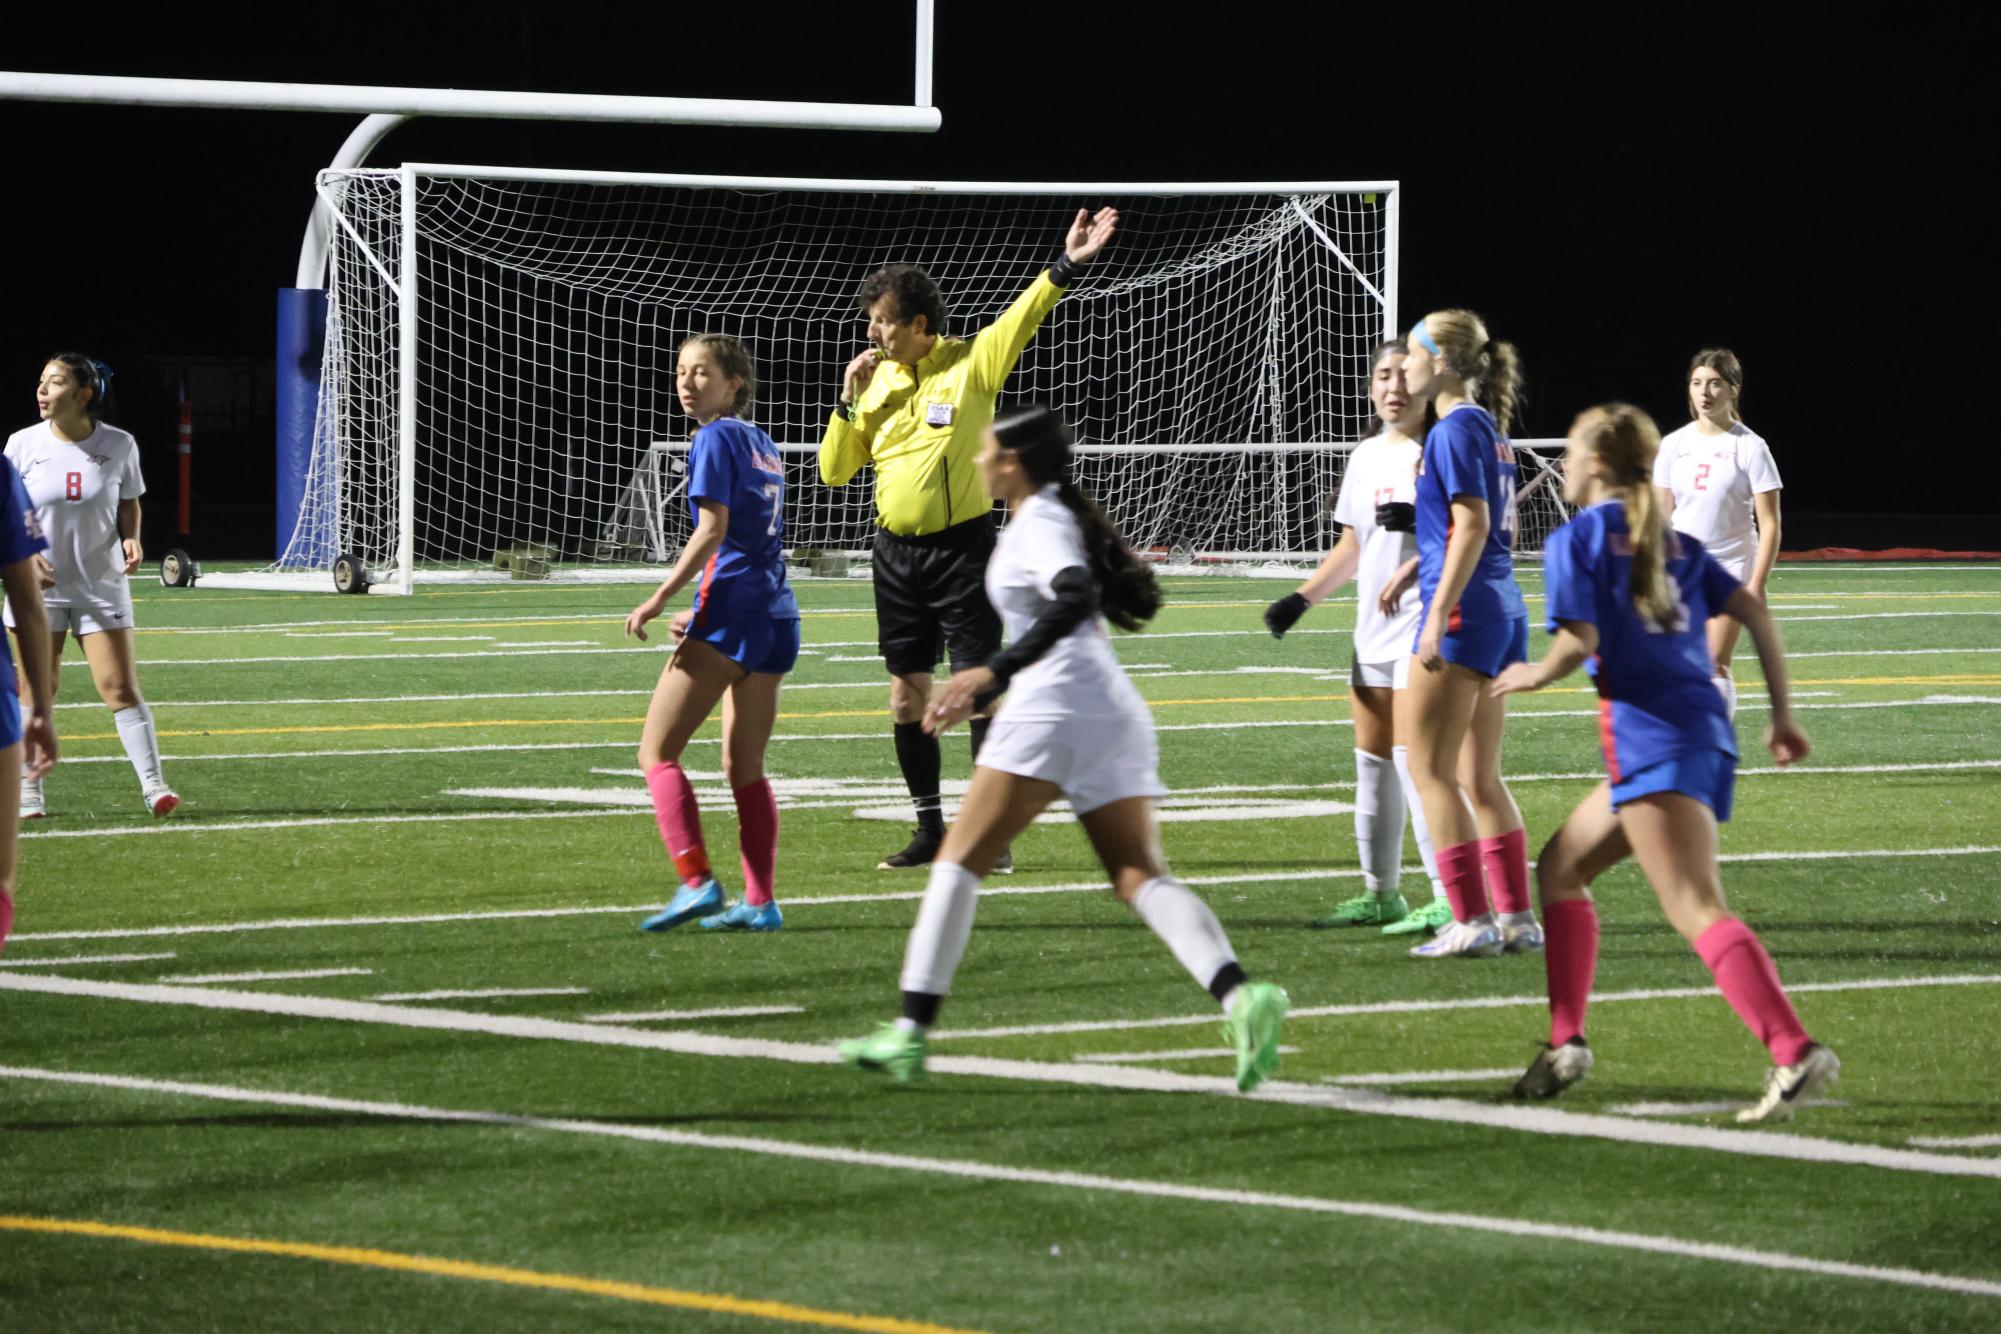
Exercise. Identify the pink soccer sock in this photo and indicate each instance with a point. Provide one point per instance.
(1459, 868)
(757, 839)
(1506, 860)
(1569, 959)
(680, 820)
(6, 916)
(1747, 979)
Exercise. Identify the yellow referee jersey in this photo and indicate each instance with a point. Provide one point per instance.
(920, 425)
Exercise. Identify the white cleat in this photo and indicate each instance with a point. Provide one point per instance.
(1523, 939)
(1788, 1086)
(1462, 940)
(34, 806)
(161, 802)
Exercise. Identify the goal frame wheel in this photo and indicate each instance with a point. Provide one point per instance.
(349, 574)
(178, 569)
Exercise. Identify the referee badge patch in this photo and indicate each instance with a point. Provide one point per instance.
(938, 414)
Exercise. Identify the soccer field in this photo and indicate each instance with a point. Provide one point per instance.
(366, 1036)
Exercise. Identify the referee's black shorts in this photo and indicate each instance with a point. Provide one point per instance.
(931, 595)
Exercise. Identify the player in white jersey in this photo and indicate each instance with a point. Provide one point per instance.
(82, 476)
(1378, 518)
(1073, 727)
(1717, 479)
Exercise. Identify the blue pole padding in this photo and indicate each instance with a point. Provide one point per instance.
(302, 323)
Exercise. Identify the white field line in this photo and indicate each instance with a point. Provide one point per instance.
(1184, 1054)
(1966, 1142)
(611, 620)
(671, 1016)
(190, 827)
(1461, 1003)
(483, 993)
(67, 960)
(991, 890)
(1424, 1076)
(292, 975)
(1882, 653)
(1886, 615)
(1531, 1120)
(964, 1169)
(1702, 1108)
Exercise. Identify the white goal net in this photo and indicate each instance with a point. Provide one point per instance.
(497, 386)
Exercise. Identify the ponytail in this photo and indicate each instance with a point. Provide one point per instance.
(1128, 594)
(1491, 370)
(1624, 440)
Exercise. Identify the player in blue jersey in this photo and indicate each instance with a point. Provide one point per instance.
(27, 745)
(737, 641)
(1473, 625)
(1633, 598)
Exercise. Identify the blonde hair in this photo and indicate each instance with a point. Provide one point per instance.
(1492, 370)
(1624, 440)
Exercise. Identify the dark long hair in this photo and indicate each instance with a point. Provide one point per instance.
(1127, 591)
(89, 373)
(1724, 362)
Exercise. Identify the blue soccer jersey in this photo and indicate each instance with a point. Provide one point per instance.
(1655, 697)
(20, 538)
(1465, 454)
(735, 464)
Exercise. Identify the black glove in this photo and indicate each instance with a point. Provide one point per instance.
(1283, 614)
(1397, 516)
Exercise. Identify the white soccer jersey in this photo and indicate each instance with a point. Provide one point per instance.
(1080, 676)
(75, 489)
(1380, 470)
(1713, 478)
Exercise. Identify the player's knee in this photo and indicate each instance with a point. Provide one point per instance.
(1557, 877)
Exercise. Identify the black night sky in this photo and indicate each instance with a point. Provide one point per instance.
(1611, 186)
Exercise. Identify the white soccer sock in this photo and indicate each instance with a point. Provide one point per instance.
(944, 924)
(1726, 686)
(141, 742)
(1378, 821)
(1179, 917)
(1426, 853)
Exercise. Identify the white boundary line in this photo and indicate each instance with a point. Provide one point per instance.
(990, 890)
(1647, 1109)
(971, 1170)
(84, 958)
(157, 829)
(1531, 1120)
(1437, 1006)
(291, 975)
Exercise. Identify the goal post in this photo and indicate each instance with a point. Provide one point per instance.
(496, 390)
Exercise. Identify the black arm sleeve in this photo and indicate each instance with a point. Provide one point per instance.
(1075, 598)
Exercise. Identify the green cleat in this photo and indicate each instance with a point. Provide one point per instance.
(1252, 1028)
(896, 1052)
(1364, 910)
(1433, 916)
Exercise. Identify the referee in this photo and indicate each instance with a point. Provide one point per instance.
(914, 404)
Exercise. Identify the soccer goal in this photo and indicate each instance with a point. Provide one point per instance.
(497, 389)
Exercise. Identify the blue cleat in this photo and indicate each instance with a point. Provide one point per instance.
(689, 901)
(742, 917)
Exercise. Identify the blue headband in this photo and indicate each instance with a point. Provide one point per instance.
(1423, 337)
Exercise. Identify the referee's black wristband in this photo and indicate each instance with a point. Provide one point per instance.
(1065, 271)
(846, 411)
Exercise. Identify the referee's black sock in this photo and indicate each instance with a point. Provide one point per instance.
(917, 756)
(977, 730)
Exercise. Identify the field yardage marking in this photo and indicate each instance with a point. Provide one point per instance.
(1530, 1120)
(505, 1275)
(291, 975)
(670, 1016)
(989, 890)
(481, 993)
(1963, 1142)
(973, 1170)
(66, 960)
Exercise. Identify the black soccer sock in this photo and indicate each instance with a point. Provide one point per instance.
(977, 731)
(921, 1008)
(1227, 979)
(917, 756)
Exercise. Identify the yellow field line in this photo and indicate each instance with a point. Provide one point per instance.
(518, 1278)
(446, 724)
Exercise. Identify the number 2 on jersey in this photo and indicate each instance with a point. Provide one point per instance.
(1702, 477)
